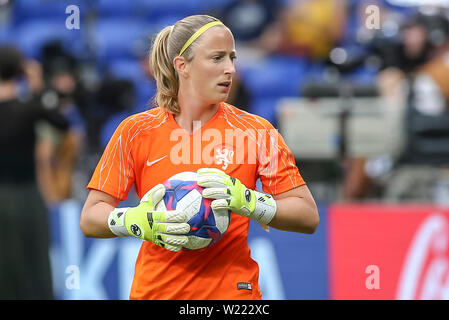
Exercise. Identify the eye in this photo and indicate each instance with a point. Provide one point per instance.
(217, 58)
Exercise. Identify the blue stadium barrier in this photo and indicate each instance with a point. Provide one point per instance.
(292, 265)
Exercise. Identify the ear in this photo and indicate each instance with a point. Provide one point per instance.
(181, 66)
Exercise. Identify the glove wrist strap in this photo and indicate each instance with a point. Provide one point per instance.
(265, 208)
(116, 222)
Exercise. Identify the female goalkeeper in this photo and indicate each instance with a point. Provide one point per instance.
(193, 129)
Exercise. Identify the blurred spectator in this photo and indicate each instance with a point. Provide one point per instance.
(116, 97)
(422, 61)
(308, 28)
(422, 37)
(62, 150)
(400, 58)
(431, 90)
(418, 83)
(144, 58)
(25, 271)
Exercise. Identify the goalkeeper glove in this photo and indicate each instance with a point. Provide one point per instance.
(164, 228)
(233, 195)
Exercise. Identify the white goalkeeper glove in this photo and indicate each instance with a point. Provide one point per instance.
(164, 228)
(229, 193)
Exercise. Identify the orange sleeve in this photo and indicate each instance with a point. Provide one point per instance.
(114, 173)
(276, 166)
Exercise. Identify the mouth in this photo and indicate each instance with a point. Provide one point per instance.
(225, 84)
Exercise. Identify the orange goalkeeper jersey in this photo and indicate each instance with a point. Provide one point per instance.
(150, 147)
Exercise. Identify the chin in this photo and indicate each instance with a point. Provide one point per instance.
(218, 100)
(223, 97)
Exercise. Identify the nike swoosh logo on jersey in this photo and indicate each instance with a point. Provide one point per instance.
(150, 163)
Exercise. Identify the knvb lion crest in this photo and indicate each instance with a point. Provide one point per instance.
(224, 155)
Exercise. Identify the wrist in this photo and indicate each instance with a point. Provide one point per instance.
(116, 222)
(265, 208)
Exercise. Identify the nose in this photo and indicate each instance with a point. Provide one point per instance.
(230, 67)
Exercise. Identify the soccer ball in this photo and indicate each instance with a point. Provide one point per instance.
(184, 193)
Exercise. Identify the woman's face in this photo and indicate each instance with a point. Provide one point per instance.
(211, 70)
(414, 39)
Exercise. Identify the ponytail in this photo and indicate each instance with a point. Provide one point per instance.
(168, 44)
(164, 72)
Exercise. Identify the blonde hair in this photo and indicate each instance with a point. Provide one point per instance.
(166, 46)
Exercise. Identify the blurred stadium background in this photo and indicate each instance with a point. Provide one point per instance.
(358, 89)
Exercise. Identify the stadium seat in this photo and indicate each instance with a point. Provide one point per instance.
(266, 108)
(362, 76)
(6, 34)
(275, 76)
(163, 21)
(213, 5)
(110, 126)
(316, 72)
(126, 69)
(116, 8)
(154, 9)
(131, 69)
(32, 35)
(119, 38)
(53, 10)
(427, 138)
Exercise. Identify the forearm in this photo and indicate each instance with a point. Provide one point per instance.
(101, 219)
(94, 220)
(43, 152)
(296, 215)
(45, 185)
(294, 210)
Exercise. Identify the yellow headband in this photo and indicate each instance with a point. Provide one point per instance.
(199, 32)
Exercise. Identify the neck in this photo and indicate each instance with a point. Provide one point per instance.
(194, 115)
(8, 90)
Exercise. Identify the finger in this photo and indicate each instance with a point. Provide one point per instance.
(158, 193)
(211, 174)
(173, 228)
(171, 243)
(211, 181)
(220, 204)
(170, 216)
(169, 247)
(216, 193)
(211, 171)
(197, 242)
(155, 194)
(173, 222)
(173, 248)
(173, 239)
